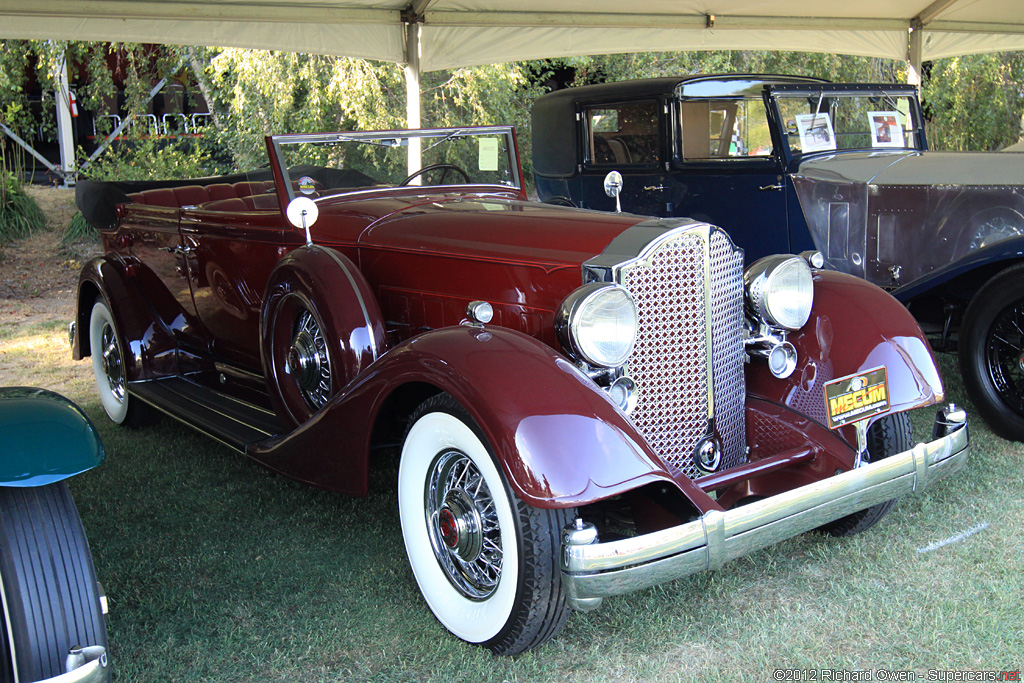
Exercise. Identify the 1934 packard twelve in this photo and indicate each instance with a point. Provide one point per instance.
(789, 163)
(587, 403)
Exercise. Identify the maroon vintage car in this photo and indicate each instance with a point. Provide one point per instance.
(587, 403)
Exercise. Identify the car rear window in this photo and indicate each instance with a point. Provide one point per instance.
(623, 134)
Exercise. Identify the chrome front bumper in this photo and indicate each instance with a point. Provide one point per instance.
(592, 570)
(84, 665)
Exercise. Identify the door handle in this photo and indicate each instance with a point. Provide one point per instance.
(652, 188)
(779, 186)
(178, 250)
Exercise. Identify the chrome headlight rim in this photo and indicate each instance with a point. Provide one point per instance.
(772, 282)
(571, 318)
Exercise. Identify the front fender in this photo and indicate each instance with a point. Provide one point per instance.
(968, 273)
(559, 440)
(46, 438)
(854, 326)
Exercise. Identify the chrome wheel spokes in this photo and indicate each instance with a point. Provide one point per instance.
(113, 367)
(308, 361)
(1006, 355)
(463, 525)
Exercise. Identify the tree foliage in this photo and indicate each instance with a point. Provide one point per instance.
(975, 102)
(839, 68)
(258, 92)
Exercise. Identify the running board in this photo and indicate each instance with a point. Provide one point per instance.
(233, 422)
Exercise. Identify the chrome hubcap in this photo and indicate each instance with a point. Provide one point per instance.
(308, 362)
(463, 525)
(113, 368)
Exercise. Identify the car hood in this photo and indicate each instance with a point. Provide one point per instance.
(869, 213)
(497, 229)
(916, 168)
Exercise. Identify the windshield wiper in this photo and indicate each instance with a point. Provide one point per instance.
(446, 138)
(385, 142)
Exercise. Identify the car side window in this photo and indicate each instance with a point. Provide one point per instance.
(724, 129)
(623, 134)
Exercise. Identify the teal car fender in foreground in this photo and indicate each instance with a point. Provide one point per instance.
(52, 627)
(46, 438)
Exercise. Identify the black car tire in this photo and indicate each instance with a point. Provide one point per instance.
(889, 435)
(51, 598)
(991, 352)
(107, 349)
(446, 464)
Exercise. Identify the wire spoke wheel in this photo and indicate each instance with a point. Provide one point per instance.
(991, 352)
(1005, 355)
(111, 372)
(308, 360)
(486, 563)
(463, 525)
(113, 367)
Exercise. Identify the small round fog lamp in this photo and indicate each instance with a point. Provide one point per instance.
(623, 392)
(782, 360)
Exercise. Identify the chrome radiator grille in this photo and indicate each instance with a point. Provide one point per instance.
(689, 339)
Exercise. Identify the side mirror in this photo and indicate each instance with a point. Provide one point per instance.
(302, 212)
(613, 188)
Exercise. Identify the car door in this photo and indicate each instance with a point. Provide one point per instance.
(231, 256)
(628, 137)
(160, 253)
(725, 171)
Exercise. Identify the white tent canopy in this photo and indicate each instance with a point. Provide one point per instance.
(455, 33)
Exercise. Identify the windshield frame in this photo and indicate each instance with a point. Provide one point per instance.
(427, 136)
(916, 140)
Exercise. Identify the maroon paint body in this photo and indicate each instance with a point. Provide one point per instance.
(193, 287)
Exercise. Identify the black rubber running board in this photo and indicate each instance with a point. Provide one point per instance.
(233, 422)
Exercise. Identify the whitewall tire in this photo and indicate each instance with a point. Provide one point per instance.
(486, 563)
(108, 367)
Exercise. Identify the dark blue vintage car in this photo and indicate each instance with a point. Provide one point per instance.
(53, 628)
(788, 164)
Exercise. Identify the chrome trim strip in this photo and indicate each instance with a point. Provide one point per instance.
(599, 569)
(709, 340)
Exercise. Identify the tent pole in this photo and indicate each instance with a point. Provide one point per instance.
(914, 48)
(65, 131)
(412, 92)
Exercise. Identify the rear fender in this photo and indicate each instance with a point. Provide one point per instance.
(560, 441)
(46, 438)
(151, 351)
(854, 326)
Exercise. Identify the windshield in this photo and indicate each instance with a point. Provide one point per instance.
(332, 163)
(826, 121)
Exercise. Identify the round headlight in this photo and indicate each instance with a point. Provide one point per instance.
(597, 324)
(780, 290)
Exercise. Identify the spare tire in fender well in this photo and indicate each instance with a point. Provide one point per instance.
(342, 303)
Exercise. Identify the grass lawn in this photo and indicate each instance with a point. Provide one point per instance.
(218, 570)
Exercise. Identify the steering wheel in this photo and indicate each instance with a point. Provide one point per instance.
(434, 167)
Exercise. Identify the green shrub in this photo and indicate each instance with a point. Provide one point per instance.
(20, 216)
(78, 230)
(146, 159)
